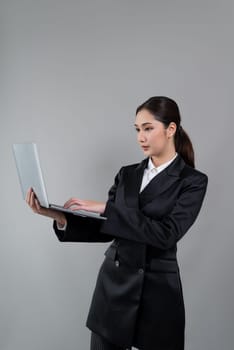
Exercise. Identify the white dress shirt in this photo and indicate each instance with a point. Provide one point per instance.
(149, 173)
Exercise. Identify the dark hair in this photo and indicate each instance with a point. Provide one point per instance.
(166, 110)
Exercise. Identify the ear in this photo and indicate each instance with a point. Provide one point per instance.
(171, 129)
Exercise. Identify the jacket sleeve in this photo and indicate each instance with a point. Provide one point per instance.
(132, 224)
(81, 229)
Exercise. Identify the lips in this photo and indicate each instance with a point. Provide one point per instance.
(145, 147)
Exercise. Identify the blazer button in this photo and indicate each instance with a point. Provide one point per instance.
(116, 262)
(140, 270)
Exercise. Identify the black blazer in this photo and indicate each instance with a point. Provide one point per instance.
(138, 298)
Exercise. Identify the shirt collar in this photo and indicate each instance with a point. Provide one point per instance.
(160, 167)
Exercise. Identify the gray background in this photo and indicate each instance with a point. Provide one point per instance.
(72, 74)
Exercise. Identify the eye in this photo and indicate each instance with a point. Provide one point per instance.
(146, 129)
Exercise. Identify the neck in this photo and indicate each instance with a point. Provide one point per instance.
(159, 160)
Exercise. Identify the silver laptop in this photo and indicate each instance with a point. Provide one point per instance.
(30, 175)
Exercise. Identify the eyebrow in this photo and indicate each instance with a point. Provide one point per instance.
(143, 123)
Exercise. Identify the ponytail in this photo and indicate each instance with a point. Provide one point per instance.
(184, 146)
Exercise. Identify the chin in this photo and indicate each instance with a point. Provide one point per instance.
(148, 153)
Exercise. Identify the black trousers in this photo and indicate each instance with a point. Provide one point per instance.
(97, 342)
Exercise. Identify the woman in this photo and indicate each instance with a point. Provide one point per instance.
(138, 298)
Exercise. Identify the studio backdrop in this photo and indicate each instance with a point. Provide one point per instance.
(72, 75)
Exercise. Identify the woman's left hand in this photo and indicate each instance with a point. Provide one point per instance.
(82, 204)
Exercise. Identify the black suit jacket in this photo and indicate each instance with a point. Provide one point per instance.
(138, 297)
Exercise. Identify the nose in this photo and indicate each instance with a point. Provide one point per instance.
(141, 137)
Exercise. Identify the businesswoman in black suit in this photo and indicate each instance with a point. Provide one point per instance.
(138, 297)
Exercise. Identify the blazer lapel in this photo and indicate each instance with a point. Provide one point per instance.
(157, 185)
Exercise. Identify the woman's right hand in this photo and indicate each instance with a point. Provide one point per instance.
(34, 204)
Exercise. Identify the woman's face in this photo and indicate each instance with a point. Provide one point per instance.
(151, 134)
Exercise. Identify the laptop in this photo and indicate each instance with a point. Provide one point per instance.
(30, 175)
